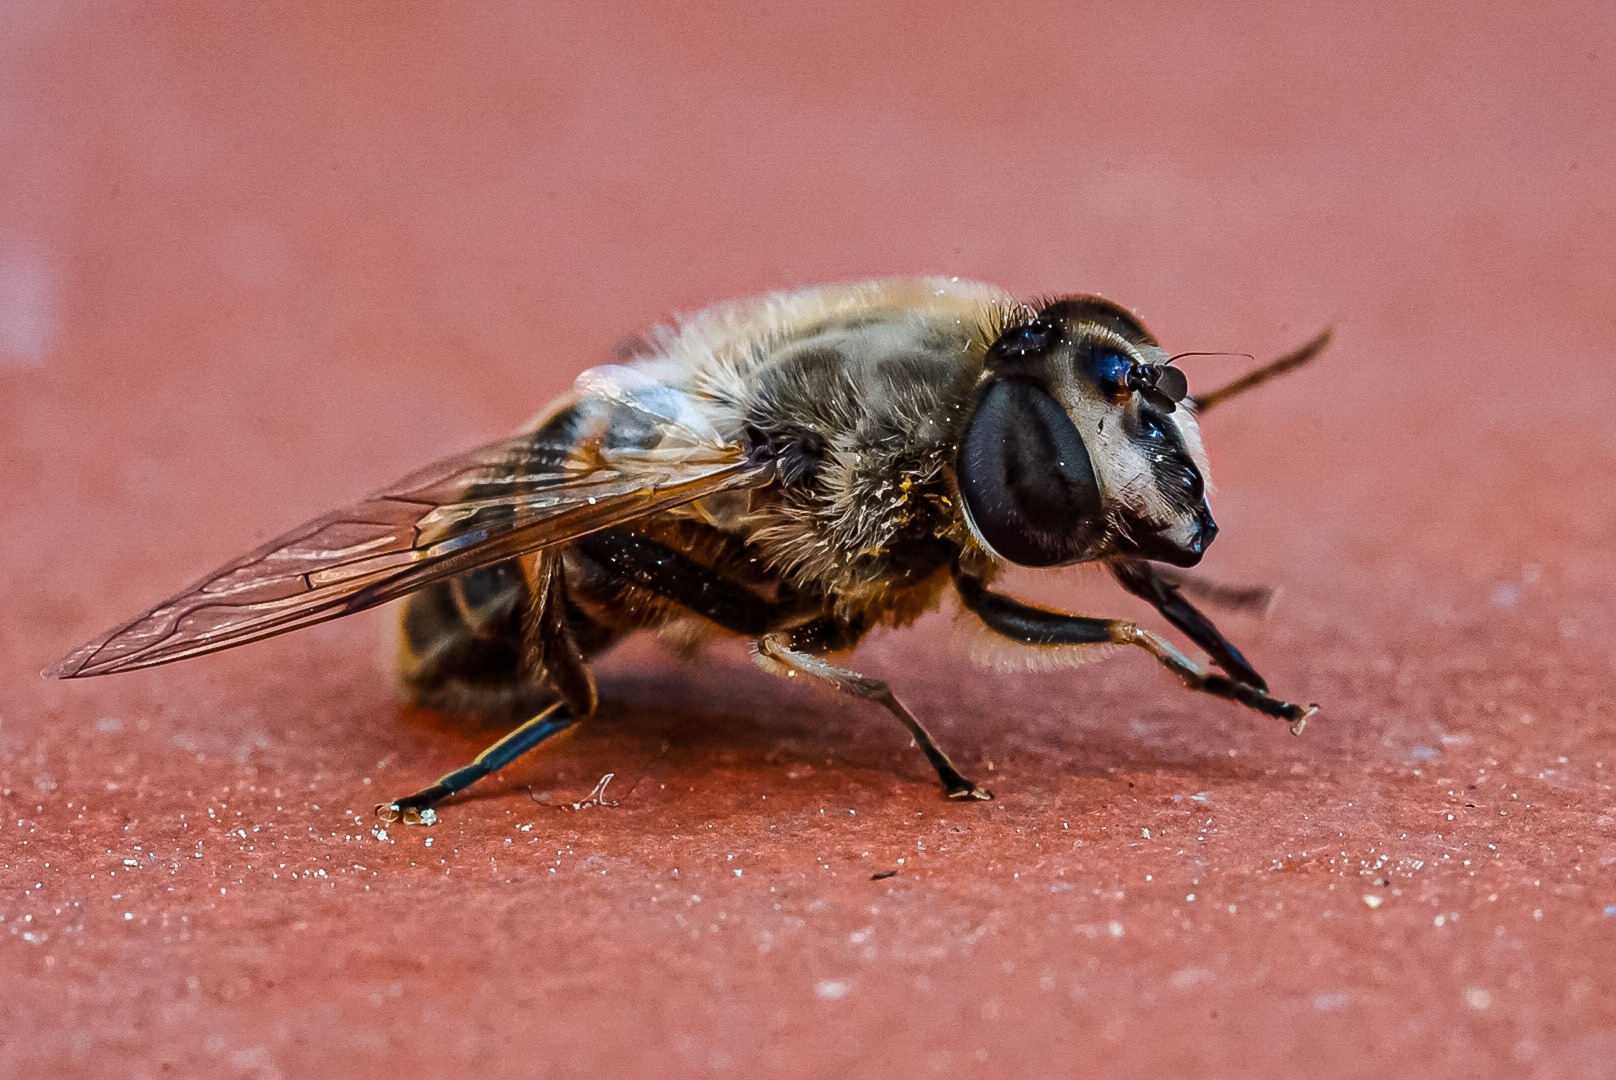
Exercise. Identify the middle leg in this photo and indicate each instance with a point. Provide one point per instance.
(795, 652)
(648, 564)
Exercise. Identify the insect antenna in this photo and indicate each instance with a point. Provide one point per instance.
(1289, 362)
(1180, 356)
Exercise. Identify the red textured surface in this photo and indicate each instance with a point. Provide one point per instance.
(256, 261)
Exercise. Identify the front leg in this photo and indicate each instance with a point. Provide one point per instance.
(1039, 626)
(790, 653)
(1146, 582)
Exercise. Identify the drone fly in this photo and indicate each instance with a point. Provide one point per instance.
(796, 470)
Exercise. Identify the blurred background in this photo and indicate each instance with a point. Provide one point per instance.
(365, 236)
(258, 259)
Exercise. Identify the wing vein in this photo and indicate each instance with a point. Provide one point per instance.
(479, 508)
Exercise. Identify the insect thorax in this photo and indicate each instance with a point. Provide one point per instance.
(863, 421)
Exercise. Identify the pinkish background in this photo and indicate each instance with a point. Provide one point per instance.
(258, 259)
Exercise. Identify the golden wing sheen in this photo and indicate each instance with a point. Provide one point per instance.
(499, 501)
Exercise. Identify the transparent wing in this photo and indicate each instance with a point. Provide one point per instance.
(635, 447)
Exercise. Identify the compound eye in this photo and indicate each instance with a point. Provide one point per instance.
(1026, 479)
(1020, 342)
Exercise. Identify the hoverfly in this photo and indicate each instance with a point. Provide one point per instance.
(797, 470)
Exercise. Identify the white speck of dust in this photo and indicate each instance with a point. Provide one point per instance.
(831, 989)
(1478, 999)
(29, 304)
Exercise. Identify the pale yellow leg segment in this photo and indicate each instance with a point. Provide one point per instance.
(1198, 678)
(775, 656)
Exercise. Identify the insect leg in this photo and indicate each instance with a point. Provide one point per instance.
(550, 652)
(1256, 599)
(642, 561)
(639, 560)
(550, 645)
(417, 809)
(1141, 579)
(1038, 626)
(782, 654)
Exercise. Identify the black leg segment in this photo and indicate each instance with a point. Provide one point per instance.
(676, 576)
(1025, 623)
(550, 646)
(1141, 579)
(417, 809)
(1038, 626)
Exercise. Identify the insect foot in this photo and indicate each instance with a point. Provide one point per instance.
(395, 813)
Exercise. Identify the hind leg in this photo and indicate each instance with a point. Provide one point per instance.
(498, 644)
(417, 809)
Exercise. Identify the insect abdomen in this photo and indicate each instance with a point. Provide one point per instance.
(462, 647)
